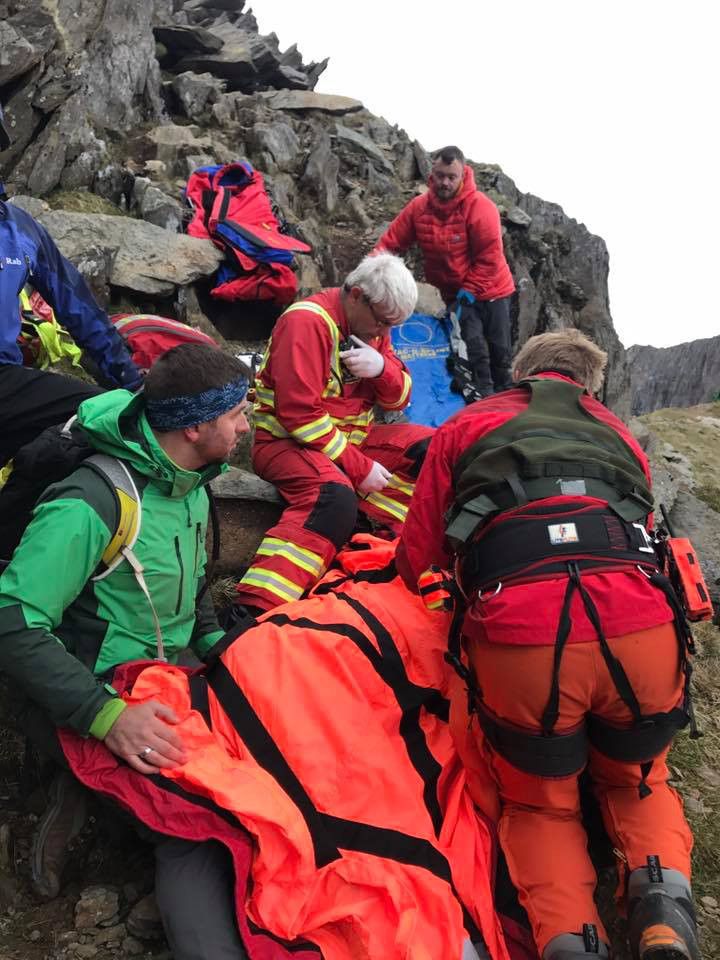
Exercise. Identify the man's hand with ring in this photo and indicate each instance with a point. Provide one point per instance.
(143, 736)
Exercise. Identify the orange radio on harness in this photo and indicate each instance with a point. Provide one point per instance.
(681, 566)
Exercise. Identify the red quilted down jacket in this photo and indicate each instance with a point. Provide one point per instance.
(460, 239)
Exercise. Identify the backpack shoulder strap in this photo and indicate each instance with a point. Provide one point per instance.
(129, 511)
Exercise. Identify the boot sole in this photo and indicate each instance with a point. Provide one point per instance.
(659, 942)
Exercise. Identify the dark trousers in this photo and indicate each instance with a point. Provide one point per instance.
(31, 400)
(485, 327)
(194, 881)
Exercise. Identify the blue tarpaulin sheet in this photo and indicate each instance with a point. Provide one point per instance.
(422, 343)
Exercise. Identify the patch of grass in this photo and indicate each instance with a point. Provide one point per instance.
(82, 201)
(695, 767)
(709, 494)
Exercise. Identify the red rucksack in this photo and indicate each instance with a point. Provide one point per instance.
(149, 336)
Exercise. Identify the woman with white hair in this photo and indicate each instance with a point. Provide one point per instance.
(327, 364)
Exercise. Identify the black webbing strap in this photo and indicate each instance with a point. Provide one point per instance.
(552, 709)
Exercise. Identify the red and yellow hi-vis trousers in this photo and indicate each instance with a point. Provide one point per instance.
(540, 826)
(322, 508)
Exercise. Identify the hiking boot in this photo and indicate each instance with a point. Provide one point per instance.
(661, 917)
(577, 946)
(62, 821)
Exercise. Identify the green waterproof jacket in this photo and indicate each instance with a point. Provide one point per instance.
(60, 632)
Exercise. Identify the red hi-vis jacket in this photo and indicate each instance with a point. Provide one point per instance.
(301, 391)
(322, 733)
(460, 240)
(527, 613)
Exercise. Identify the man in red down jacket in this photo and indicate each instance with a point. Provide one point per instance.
(458, 231)
(327, 364)
(576, 645)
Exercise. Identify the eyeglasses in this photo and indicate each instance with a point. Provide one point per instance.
(380, 321)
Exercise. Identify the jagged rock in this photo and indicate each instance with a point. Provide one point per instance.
(309, 281)
(321, 173)
(197, 93)
(405, 165)
(357, 210)
(424, 166)
(108, 49)
(359, 142)
(95, 906)
(518, 217)
(237, 484)
(144, 919)
(114, 934)
(280, 142)
(308, 100)
(679, 376)
(25, 38)
(429, 300)
(145, 258)
(234, 61)
(692, 518)
(174, 144)
(181, 41)
(157, 207)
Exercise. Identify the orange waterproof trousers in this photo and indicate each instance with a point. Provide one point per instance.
(540, 825)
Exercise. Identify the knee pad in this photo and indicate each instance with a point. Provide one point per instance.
(334, 513)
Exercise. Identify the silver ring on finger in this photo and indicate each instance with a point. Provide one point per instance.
(145, 753)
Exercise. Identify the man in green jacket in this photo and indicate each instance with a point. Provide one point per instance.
(65, 622)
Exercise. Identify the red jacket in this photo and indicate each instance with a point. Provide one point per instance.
(526, 613)
(303, 394)
(460, 239)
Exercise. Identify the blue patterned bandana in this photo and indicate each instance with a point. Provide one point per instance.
(176, 413)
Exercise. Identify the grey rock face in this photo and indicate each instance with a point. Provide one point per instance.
(197, 93)
(279, 141)
(358, 142)
(145, 258)
(321, 174)
(25, 38)
(679, 376)
(307, 100)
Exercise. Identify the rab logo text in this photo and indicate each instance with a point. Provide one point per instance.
(13, 261)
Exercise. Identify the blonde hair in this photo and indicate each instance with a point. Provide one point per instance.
(568, 351)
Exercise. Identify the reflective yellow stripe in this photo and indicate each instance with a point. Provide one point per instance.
(264, 394)
(266, 421)
(395, 509)
(397, 484)
(305, 559)
(272, 582)
(334, 384)
(361, 419)
(435, 604)
(357, 437)
(335, 446)
(313, 430)
(25, 300)
(407, 384)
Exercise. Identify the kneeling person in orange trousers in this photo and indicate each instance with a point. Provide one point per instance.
(328, 363)
(576, 647)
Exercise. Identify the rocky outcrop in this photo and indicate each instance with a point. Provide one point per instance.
(679, 376)
(130, 254)
(337, 173)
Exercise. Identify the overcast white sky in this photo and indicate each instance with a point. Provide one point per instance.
(608, 108)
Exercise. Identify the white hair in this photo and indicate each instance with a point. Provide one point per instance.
(387, 283)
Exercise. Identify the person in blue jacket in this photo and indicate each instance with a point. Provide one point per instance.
(31, 400)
